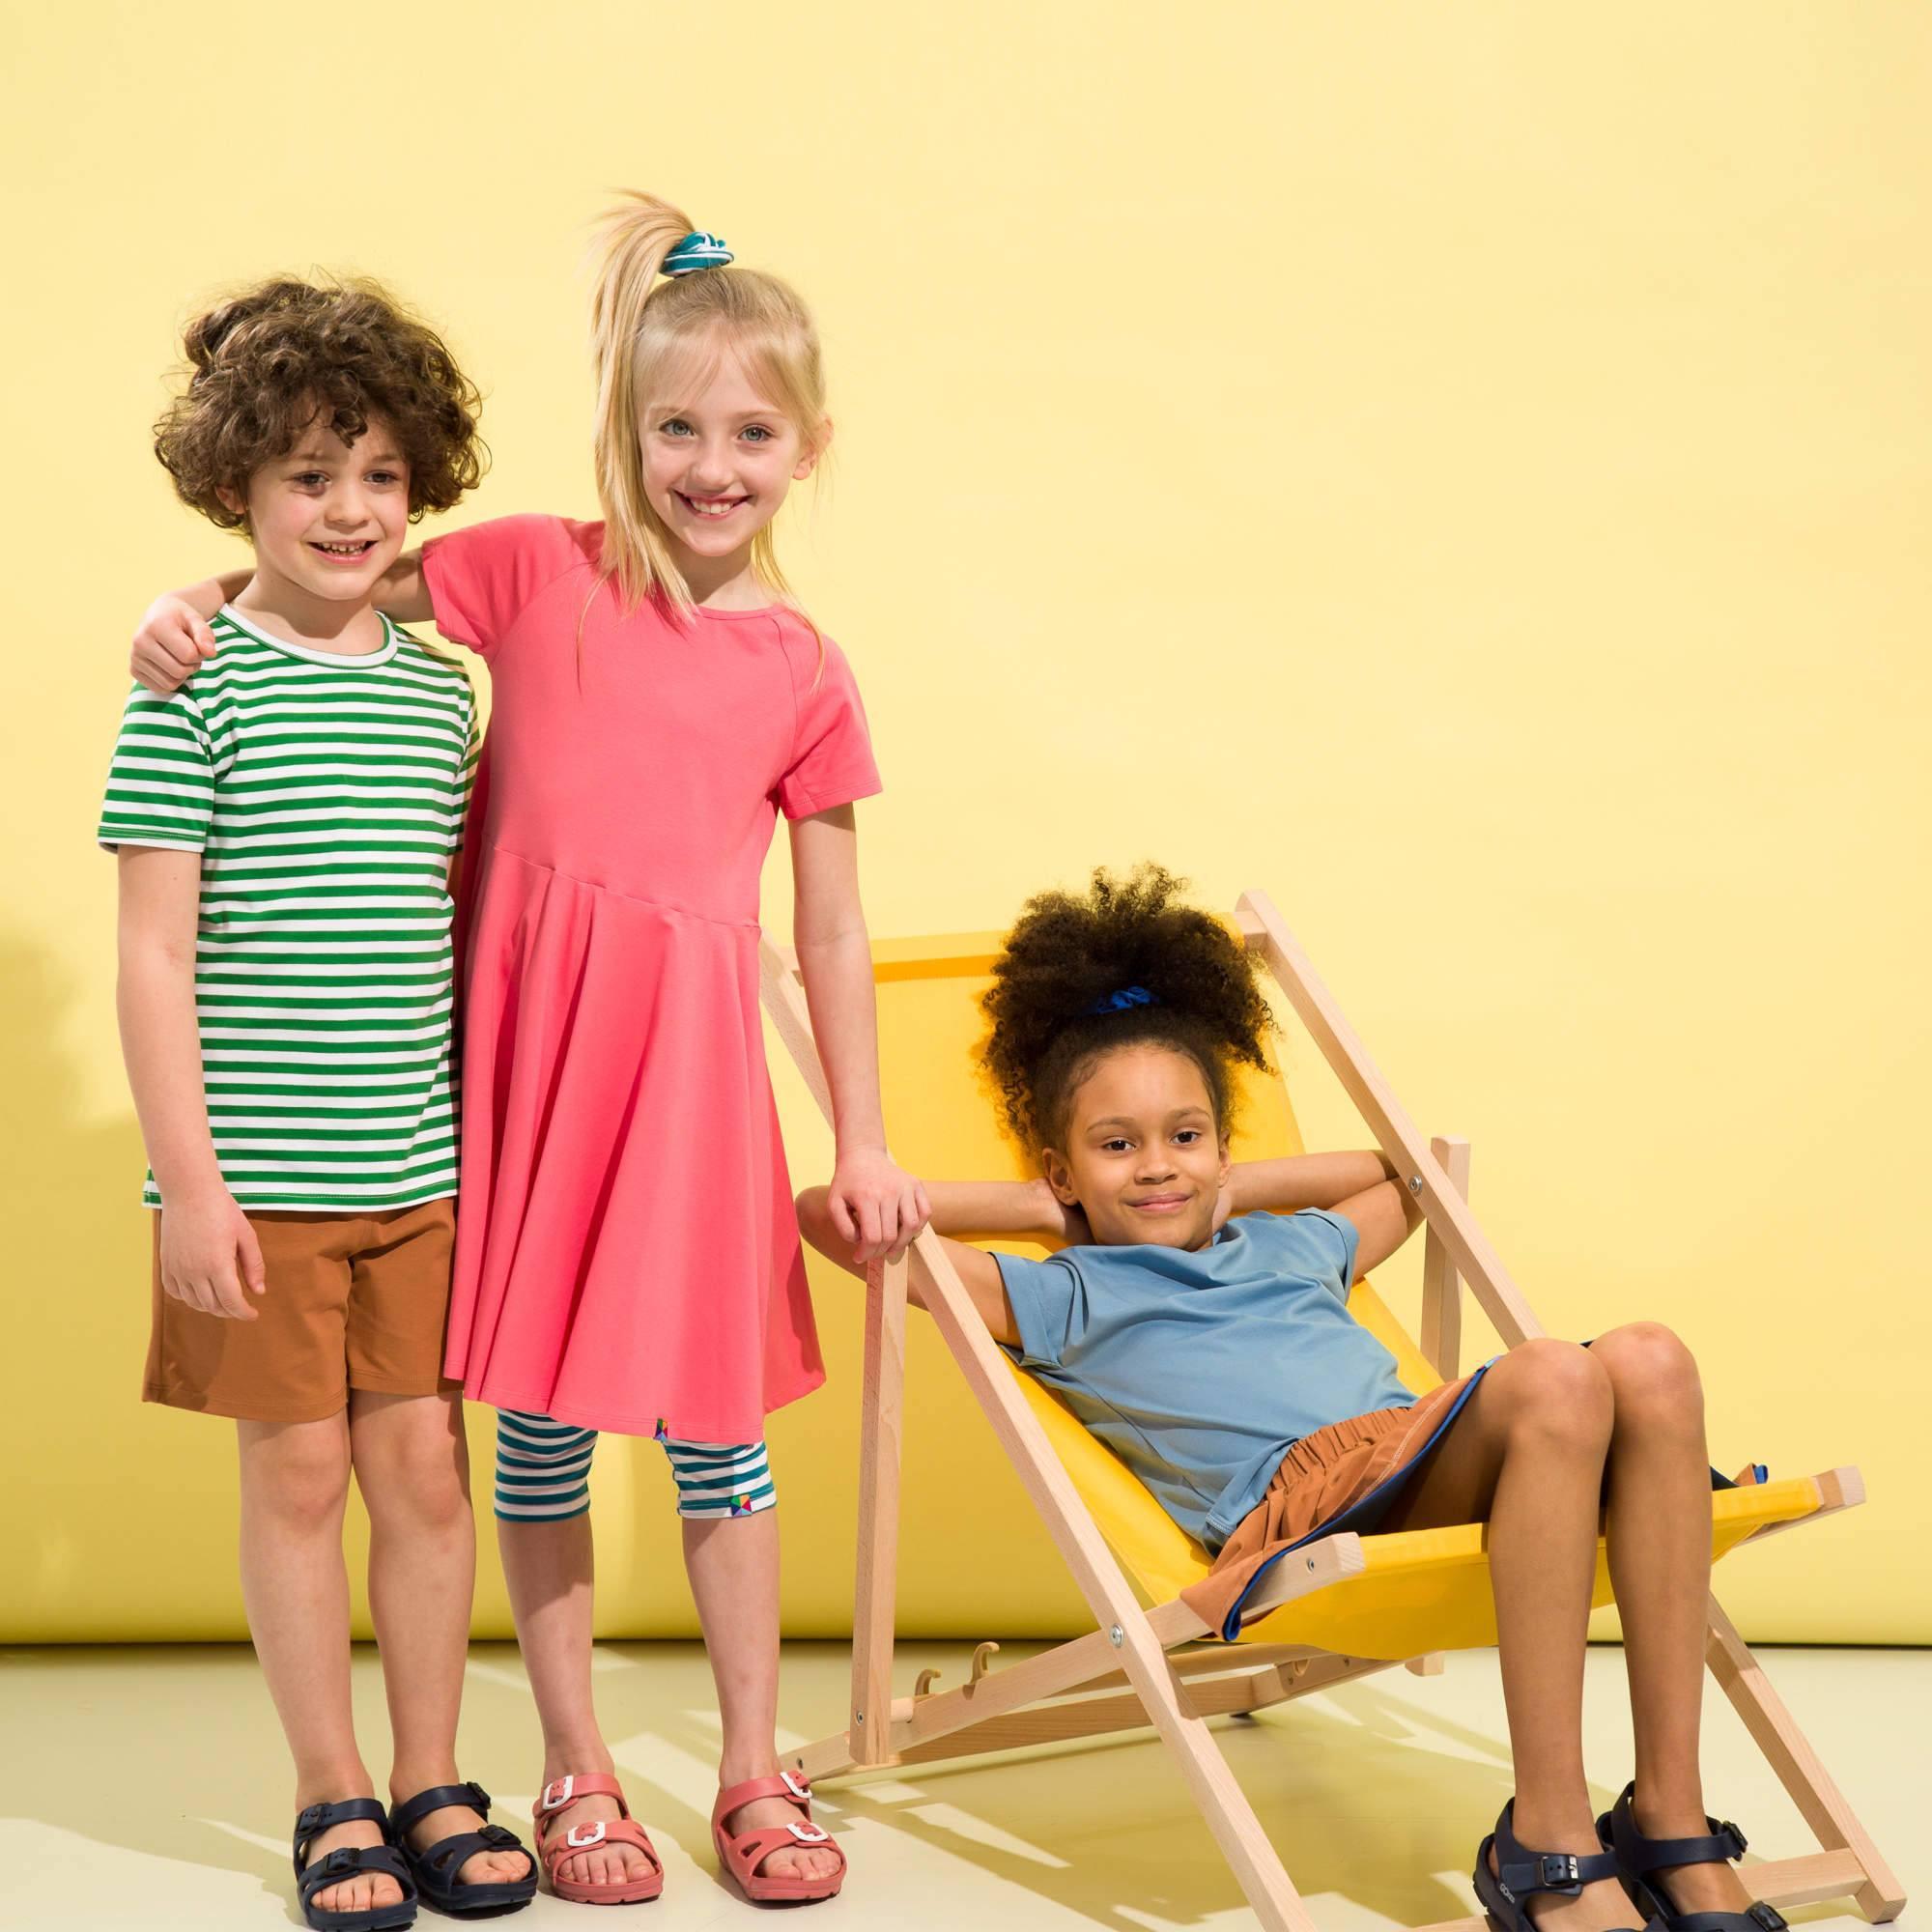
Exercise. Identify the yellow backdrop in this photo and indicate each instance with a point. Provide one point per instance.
(1462, 468)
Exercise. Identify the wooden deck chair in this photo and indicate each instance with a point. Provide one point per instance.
(1339, 1608)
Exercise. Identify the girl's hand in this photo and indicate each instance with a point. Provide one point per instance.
(171, 645)
(875, 1205)
(1067, 1227)
(208, 1252)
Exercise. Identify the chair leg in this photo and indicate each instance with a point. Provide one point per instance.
(1789, 1753)
(875, 1596)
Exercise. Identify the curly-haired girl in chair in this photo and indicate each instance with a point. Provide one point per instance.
(1195, 1319)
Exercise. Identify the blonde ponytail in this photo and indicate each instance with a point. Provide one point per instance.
(638, 322)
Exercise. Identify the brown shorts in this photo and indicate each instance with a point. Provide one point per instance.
(353, 1301)
(1325, 1473)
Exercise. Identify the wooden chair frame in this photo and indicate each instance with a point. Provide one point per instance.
(1121, 1675)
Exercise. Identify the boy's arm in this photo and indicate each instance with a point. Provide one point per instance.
(979, 1272)
(1301, 1180)
(174, 641)
(208, 1248)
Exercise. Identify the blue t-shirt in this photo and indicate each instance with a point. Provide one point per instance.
(1202, 1369)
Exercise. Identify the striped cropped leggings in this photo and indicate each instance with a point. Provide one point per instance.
(543, 1472)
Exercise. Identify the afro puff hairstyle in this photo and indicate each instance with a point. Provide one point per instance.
(1067, 955)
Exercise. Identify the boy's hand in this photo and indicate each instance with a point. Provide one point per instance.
(171, 645)
(208, 1252)
(875, 1205)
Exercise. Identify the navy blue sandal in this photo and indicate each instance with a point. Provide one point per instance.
(347, 1861)
(1638, 1857)
(1519, 1874)
(435, 1867)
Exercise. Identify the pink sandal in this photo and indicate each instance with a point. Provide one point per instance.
(560, 1792)
(741, 1852)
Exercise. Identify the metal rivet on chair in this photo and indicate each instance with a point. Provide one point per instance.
(1116, 1636)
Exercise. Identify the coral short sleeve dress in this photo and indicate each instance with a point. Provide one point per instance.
(627, 1254)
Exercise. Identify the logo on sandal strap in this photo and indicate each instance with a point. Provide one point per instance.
(579, 1836)
(556, 1793)
(808, 1834)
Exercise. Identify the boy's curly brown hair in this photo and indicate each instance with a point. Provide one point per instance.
(1067, 954)
(265, 366)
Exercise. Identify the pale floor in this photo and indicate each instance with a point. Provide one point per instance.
(146, 1788)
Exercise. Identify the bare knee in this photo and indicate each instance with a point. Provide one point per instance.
(1651, 1371)
(300, 1476)
(417, 1470)
(1556, 1393)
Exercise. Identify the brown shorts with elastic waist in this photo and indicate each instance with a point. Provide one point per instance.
(353, 1301)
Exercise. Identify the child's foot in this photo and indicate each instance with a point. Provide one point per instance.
(801, 1862)
(1717, 1886)
(1602, 1907)
(446, 1822)
(610, 1862)
(364, 1892)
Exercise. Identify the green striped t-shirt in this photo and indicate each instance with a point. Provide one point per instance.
(326, 795)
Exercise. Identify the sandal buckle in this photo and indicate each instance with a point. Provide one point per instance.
(800, 1788)
(812, 1835)
(580, 1838)
(558, 1793)
(1559, 1872)
(1765, 1916)
(342, 1859)
(1730, 1832)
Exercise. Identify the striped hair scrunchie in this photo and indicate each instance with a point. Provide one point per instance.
(696, 252)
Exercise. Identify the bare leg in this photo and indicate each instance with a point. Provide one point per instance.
(1527, 1454)
(549, 1568)
(294, 1483)
(412, 1466)
(1660, 1549)
(733, 1564)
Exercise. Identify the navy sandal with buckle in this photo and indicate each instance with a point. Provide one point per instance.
(1638, 1857)
(1519, 1874)
(349, 1861)
(435, 1868)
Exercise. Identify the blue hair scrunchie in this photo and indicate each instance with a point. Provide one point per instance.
(698, 251)
(1120, 1003)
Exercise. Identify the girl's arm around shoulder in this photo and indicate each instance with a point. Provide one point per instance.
(174, 639)
(979, 1272)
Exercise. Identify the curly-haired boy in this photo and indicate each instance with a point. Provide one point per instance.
(287, 824)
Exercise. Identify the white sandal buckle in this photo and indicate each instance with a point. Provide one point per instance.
(809, 1835)
(580, 1837)
(798, 1788)
(558, 1793)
